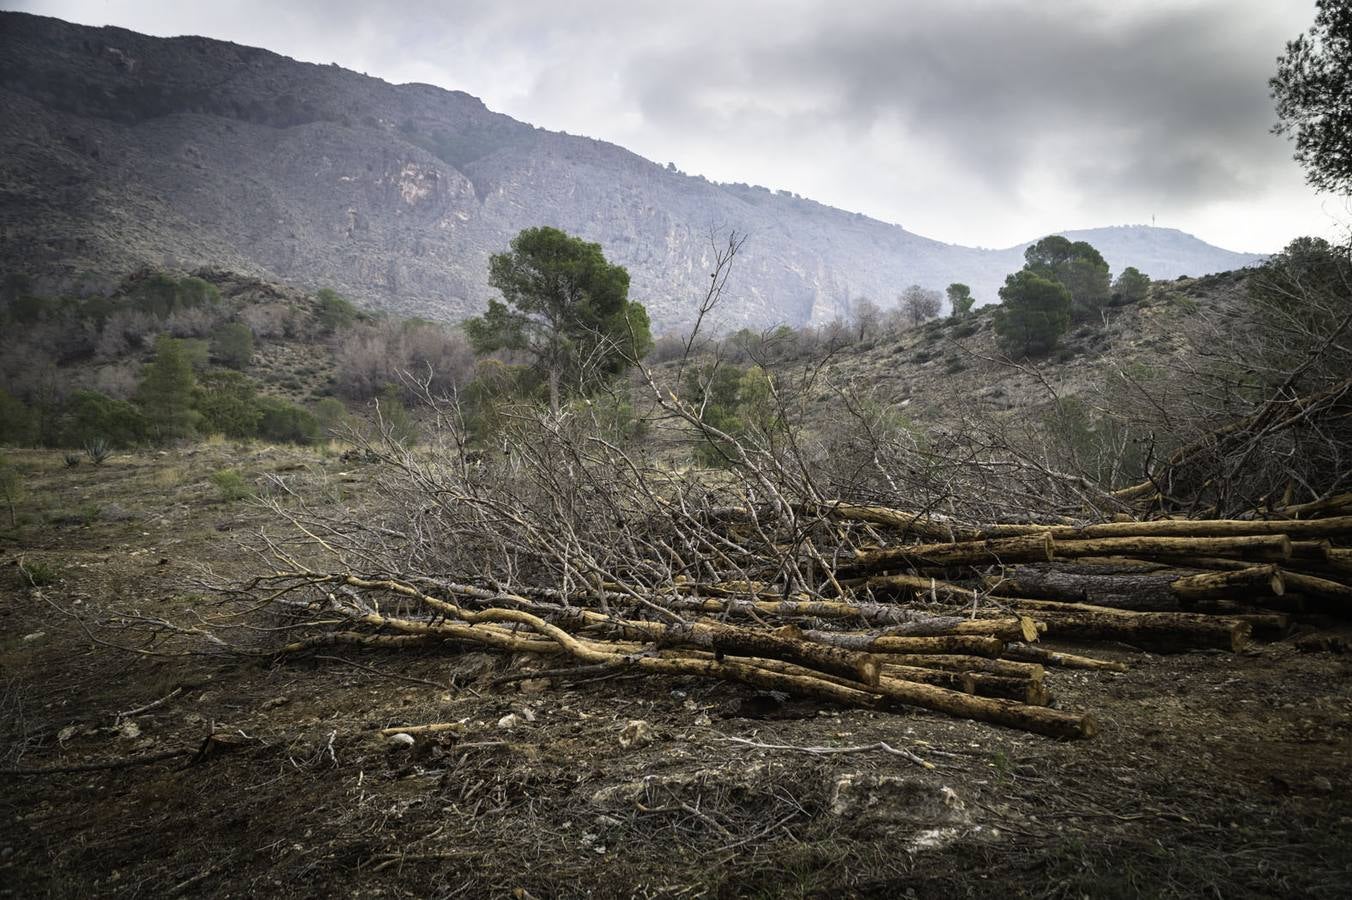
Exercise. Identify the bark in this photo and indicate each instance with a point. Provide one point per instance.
(1026, 653)
(1277, 546)
(1164, 632)
(1251, 583)
(1015, 549)
(975, 645)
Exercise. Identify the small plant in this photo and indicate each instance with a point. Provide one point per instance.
(97, 450)
(38, 573)
(230, 484)
(72, 460)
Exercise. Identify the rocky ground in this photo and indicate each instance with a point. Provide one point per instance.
(1213, 774)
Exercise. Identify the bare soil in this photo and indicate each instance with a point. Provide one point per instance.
(1213, 774)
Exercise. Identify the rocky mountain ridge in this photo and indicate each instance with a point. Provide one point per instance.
(123, 149)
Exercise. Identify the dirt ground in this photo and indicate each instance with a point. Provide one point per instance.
(1212, 775)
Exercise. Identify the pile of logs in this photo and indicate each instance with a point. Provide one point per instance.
(926, 613)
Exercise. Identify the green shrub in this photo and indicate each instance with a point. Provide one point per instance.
(230, 485)
(39, 573)
(18, 424)
(284, 422)
(89, 416)
(232, 345)
(228, 403)
(331, 415)
(334, 313)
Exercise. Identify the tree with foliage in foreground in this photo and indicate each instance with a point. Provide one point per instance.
(1078, 266)
(1035, 312)
(1313, 90)
(960, 299)
(165, 394)
(566, 308)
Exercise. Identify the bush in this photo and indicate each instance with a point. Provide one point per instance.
(228, 404)
(18, 425)
(284, 422)
(232, 345)
(90, 416)
(334, 313)
(231, 485)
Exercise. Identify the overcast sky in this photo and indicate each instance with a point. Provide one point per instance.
(983, 122)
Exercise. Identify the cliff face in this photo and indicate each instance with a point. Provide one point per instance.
(121, 149)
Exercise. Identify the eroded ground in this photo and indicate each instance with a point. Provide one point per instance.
(1213, 774)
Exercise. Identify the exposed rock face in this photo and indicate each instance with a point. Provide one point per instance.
(121, 149)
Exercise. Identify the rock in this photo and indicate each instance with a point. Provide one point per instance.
(533, 685)
(870, 801)
(67, 733)
(1321, 785)
(129, 730)
(637, 733)
(509, 721)
(35, 636)
(401, 741)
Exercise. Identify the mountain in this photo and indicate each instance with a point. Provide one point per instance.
(121, 149)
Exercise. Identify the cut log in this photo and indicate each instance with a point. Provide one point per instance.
(1312, 586)
(1024, 690)
(1027, 653)
(1247, 583)
(1016, 549)
(1008, 668)
(1304, 528)
(1277, 546)
(1164, 632)
(975, 645)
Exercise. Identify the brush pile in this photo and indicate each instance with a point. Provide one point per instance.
(911, 611)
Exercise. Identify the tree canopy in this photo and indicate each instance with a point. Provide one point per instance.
(960, 299)
(566, 308)
(1034, 313)
(1313, 91)
(1075, 264)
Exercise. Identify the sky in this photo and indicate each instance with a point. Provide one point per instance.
(977, 122)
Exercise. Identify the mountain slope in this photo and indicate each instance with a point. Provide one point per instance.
(123, 149)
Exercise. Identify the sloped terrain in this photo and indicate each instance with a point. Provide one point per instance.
(125, 150)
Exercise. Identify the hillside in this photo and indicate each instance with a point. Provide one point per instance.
(123, 150)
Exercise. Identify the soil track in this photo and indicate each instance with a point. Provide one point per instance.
(1213, 774)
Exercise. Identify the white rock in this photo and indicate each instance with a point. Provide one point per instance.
(637, 733)
(35, 636)
(401, 741)
(509, 721)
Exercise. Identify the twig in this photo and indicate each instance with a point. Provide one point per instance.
(151, 705)
(103, 764)
(440, 687)
(829, 751)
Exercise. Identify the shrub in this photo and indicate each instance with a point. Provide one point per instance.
(230, 484)
(285, 422)
(228, 404)
(39, 573)
(334, 313)
(232, 345)
(90, 416)
(18, 425)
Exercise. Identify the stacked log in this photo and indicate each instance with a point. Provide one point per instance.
(934, 614)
